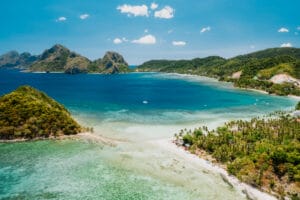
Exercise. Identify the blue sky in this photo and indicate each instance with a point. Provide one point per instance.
(141, 30)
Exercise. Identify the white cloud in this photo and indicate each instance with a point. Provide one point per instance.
(61, 19)
(134, 10)
(205, 29)
(166, 13)
(146, 30)
(252, 47)
(179, 43)
(283, 30)
(170, 31)
(288, 44)
(153, 6)
(117, 41)
(84, 16)
(124, 39)
(147, 39)
(120, 40)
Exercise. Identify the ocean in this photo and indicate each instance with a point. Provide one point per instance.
(139, 110)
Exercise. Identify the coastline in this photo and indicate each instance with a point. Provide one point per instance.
(193, 76)
(250, 191)
(87, 136)
(205, 160)
(228, 84)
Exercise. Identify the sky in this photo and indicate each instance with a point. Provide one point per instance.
(142, 29)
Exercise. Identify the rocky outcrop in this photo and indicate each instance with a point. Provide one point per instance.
(285, 78)
(60, 59)
(111, 63)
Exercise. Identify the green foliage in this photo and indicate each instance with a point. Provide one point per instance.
(298, 106)
(261, 152)
(29, 113)
(257, 68)
(283, 68)
(187, 139)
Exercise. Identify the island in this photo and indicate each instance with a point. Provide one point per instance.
(27, 113)
(274, 70)
(262, 152)
(60, 59)
(13, 59)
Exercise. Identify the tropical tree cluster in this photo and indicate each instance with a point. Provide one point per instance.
(262, 152)
(28, 113)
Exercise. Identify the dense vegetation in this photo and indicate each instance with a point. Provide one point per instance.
(298, 106)
(262, 152)
(256, 69)
(28, 113)
(60, 59)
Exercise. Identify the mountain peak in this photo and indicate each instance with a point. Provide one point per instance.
(14, 59)
(59, 58)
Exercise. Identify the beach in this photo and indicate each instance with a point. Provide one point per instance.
(130, 154)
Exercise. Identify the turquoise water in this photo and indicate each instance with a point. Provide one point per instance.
(141, 111)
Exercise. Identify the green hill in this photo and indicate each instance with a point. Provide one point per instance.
(28, 113)
(255, 70)
(111, 63)
(60, 59)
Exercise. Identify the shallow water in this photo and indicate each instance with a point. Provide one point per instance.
(139, 109)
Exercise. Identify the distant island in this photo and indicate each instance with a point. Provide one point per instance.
(275, 70)
(27, 113)
(60, 59)
(262, 152)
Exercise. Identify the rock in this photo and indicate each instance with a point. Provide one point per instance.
(111, 63)
(60, 59)
(284, 78)
(236, 75)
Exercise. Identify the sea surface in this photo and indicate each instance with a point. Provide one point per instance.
(140, 111)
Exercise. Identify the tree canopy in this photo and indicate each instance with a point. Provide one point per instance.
(263, 152)
(28, 113)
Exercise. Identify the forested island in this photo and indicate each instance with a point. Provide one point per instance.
(27, 113)
(60, 59)
(263, 152)
(275, 70)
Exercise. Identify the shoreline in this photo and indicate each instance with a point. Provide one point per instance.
(249, 191)
(255, 194)
(228, 84)
(87, 136)
(202, 78)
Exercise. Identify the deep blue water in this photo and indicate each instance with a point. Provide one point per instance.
(138, 168)
(138, 93)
